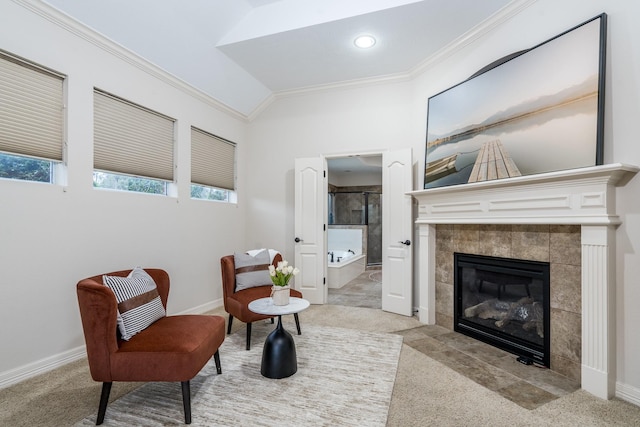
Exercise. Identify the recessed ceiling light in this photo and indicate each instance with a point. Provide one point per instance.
(365, 42)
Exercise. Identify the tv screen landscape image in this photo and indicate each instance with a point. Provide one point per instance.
(536, 111)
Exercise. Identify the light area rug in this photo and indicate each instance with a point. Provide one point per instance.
(345, 378)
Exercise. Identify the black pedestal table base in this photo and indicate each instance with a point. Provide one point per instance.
(279, 354)
(279, 358)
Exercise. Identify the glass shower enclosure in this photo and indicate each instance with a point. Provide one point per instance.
(350, 207)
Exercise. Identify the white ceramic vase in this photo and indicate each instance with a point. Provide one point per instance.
(280, 294)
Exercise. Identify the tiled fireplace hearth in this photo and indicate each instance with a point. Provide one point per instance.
(566, 218)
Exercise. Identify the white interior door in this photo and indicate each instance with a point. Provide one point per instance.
(397, 268)
(310, 228)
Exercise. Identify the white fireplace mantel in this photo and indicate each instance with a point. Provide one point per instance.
(584, 197)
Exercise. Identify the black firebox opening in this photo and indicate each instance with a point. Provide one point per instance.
(504, 302)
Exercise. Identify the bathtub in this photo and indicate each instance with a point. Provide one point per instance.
(340, 256)
(350, 266)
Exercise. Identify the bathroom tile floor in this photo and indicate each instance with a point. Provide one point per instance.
(363, 291)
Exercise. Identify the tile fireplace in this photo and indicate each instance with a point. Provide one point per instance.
(559, 246)
(582, 197)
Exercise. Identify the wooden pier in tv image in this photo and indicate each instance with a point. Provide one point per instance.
(441, 167)
(493, 162)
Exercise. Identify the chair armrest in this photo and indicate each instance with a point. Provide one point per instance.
(99, 314)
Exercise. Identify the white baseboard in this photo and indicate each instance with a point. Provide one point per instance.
(50, 363)
(41, 366)
(628, 393)
(211, 305)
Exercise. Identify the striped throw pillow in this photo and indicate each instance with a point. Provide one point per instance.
(139, 303)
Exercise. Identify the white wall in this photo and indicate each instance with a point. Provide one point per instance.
(354, 120)
(392, 116)
(355, 179)
(51, 237)
(344, 239)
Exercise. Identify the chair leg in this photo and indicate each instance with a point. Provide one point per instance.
(104, 399)
(186, 401)
(229, 325)
(216, 357)
(248, 335)
(295, 316)
(272, 322)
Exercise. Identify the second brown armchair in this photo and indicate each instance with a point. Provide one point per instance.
(236, 302)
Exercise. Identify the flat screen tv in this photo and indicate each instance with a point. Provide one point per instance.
(534, 111)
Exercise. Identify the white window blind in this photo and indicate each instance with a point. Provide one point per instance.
(131, 139)
(212, 160)
(31, 110)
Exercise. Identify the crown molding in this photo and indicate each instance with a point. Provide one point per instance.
(500, 17)
(264, 104)
(347, 84)
(350, 84)
(75, 27)
(78, 29)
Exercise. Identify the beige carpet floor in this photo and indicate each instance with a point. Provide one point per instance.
(344, 377)
(426, 392)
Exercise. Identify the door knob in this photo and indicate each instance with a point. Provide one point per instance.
(406, 242)
(297, 240)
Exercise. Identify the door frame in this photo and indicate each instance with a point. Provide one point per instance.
(380, 153)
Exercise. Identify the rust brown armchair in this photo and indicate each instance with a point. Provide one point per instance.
(173, 348)
(236, 303)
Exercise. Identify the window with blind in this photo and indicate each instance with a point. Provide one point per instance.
(133, 146)
(31, 120)
(213, 162)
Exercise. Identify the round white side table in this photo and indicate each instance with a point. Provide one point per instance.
(279, 358)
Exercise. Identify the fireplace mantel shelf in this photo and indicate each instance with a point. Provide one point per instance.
(577, 196)
(584, 197)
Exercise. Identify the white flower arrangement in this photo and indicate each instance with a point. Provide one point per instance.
(281, 274)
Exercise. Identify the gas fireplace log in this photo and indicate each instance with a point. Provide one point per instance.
(524, 310)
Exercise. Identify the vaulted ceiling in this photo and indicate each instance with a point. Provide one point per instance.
(241, 52)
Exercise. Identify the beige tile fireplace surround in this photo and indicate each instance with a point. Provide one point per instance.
(566, 218)
(559, 245)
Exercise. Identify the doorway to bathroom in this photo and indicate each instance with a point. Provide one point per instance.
(354, 238)
(311, 222)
